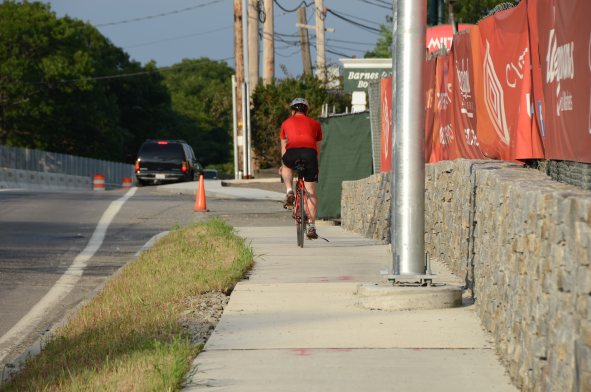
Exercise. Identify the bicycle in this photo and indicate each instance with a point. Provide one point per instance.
(300, 210)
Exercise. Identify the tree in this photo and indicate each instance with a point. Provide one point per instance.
(201, 91)
(66, 88)
(471, 11)
(271, 108)
(383, 48)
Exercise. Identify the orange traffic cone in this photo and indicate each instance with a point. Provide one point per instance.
(200, 205)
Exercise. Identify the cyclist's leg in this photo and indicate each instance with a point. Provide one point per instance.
(312, 200)
(288, 161)
(311, 179)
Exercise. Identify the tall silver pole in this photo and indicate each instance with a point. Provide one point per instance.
(246, 116)
(235, 126)
(408, 215)
(393, 130)
(249, 137)
(244, 152)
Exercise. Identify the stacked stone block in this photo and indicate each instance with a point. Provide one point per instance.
(367, 208)
(523, 242)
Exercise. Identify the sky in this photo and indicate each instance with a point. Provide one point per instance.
(168, 31)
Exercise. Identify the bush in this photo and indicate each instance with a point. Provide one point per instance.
(271, 108)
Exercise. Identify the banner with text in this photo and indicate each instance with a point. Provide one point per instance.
(563, 34)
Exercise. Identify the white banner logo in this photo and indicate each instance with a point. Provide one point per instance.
(465, 90)
(560, 65)
(494, 98)
(446, 135)
(514, 72)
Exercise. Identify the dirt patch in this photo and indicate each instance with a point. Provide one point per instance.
(203, 315)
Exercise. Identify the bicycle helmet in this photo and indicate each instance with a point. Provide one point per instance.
(300, 105)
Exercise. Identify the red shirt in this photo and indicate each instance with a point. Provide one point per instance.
(301, 131)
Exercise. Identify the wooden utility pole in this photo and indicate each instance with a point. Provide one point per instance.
(239, 64)
(320, 64)
(305, 41)
(269, 44)
(253, 45)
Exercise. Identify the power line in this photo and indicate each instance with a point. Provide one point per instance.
(126, 75)
(295, 9)
(350, 42)
(347, 48)
(360, 25)
(357, 17)
(158, 15)
(177, 37)
(379, 3)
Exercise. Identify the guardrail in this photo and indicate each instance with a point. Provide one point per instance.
(21, 167)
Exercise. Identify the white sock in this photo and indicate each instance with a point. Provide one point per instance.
(289, 190)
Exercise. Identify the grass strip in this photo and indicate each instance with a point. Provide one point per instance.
(128, 337)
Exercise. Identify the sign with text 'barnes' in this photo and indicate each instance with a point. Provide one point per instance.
(358, 79)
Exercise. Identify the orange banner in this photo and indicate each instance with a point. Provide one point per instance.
(517, 86)
(503, 96)
(429, 91)
(465, 71)
(441, 36)
(563, 34)
(386, 140)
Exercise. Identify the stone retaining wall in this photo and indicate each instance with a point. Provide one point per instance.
(523, 242)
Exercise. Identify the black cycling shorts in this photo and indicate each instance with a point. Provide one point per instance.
(309, 156)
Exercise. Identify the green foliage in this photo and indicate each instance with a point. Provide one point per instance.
(271, 108)
(383, 48)
(66, 88)
(201, 93)
(470, 11)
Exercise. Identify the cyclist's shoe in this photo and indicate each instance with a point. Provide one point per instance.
(311, 233)
(289, 200)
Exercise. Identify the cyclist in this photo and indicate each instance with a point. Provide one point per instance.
(300, 140)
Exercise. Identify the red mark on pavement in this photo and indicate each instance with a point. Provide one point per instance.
(301, 352)
(345, 277)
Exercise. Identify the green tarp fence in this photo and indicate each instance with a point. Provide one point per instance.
(345, 155)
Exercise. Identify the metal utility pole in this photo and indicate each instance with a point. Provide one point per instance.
(269, 44)
(408, 169)
(320, 64)
(253, 44)
(246, 90)
(305, 41)
(450, 11)
(235, 126)
(239, 64)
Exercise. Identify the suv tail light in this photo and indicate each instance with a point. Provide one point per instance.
(162, 142)
(184, 167)
(137, 165)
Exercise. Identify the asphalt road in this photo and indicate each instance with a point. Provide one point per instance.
(42, 234)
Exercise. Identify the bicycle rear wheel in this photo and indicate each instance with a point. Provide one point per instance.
(301, 218)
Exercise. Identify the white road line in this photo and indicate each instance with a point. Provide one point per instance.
(65, 283)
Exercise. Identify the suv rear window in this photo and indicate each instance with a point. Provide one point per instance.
(170, 151)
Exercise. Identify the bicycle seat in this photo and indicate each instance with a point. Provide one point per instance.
(299, 165)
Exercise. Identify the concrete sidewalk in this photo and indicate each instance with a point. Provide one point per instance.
(294, 325)
(214, 188)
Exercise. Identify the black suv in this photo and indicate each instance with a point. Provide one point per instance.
(161, 161)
